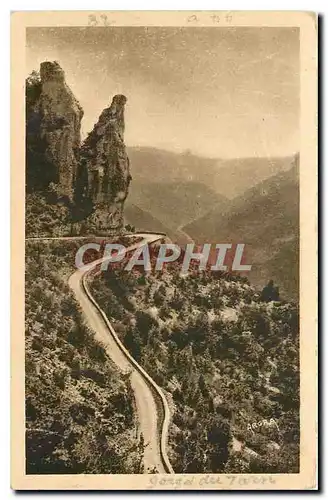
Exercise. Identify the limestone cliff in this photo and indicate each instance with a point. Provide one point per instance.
(104, 173)
(93, 178)
(53, 132)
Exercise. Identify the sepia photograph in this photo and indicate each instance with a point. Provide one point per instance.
(160, 207)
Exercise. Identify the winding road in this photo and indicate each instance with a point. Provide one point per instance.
(152, 407)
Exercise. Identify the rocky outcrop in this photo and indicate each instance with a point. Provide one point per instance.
(53, 132)
(93, 178)
(104, 167)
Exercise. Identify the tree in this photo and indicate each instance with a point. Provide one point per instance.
(219, 436)
(132, 342)
(270, 293)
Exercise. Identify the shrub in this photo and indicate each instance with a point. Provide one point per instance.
(94, 375)
(60, 378)
(37, 344)
(81, 413)
(98, 353)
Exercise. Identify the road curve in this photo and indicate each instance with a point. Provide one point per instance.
(152, 407)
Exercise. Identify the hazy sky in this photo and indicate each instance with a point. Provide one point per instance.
(220, 92)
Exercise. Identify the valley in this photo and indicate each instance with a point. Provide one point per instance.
(133, 372)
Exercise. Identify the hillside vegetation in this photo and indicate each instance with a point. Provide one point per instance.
(80, 414)
(227, 362)
(45, 219)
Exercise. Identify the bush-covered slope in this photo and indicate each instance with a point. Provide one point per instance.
(80, 415)
(227, 361)
(45, 219)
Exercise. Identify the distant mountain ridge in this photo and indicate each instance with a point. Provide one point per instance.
(266, 219)
(180, 188)
(143, 220)
(174, 203)
(228, 177)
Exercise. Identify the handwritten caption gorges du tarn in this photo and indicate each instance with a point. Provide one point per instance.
(210, 481)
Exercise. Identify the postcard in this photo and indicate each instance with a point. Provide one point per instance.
(164, 250)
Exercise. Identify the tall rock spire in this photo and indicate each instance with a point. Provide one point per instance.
(105, 166)
(53, 132)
